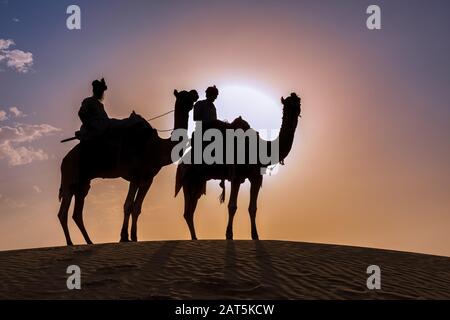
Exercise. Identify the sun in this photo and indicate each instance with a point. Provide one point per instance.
(260, 110)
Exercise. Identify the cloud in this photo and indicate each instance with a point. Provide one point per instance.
(37, 189)
(19, 60)
(3, 116)
(5, 44)
(15, 143)
(15, 20)
(16, 112)
(18, 156)
(15, 59)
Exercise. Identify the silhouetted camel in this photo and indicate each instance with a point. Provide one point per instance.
(141, 155)
(192, 177)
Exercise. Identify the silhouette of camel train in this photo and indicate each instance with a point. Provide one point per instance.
(132, 149)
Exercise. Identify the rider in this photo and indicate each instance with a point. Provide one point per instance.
(92, 112)
(205, 110)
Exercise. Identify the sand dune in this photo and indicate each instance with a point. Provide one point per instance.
(221, 270)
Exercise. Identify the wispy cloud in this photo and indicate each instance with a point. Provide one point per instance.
(15, 59)
(3, 115)
(16, 112)
(37, 189)
(15, 143)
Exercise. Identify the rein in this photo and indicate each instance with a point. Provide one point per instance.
(160, 116)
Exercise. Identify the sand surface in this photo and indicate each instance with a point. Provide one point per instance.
(221, 270)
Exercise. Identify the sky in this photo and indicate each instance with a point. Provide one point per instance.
(370, 161)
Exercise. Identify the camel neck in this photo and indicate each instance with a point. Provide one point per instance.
(166, 145)
(180, 119)
(286, 136)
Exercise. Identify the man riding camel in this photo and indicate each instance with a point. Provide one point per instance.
(95, 120)
(206, 113)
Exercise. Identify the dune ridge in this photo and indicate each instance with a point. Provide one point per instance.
(218, 269)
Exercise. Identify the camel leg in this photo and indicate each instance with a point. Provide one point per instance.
(127, 210)
(62, 215)
(191, 197)
(254, 190)
(137, 207)
(232, 207)
(78, 211)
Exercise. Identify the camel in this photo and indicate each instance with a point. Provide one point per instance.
(134, 155)
(192, 177)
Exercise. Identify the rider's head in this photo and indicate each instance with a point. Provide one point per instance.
(98, 88)
(212, 93)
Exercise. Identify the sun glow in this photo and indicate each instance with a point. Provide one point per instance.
(261, 111)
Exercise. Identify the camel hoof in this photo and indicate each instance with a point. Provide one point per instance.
(255, 237)
(229, 236)
(124, 240)
(90, 242)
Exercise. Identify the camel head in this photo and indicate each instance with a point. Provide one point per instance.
(183, 105)
(185, 99)
(292, 106)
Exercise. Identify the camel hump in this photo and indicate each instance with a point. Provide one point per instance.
(240, 123)
(111, 129)
(237, 123)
